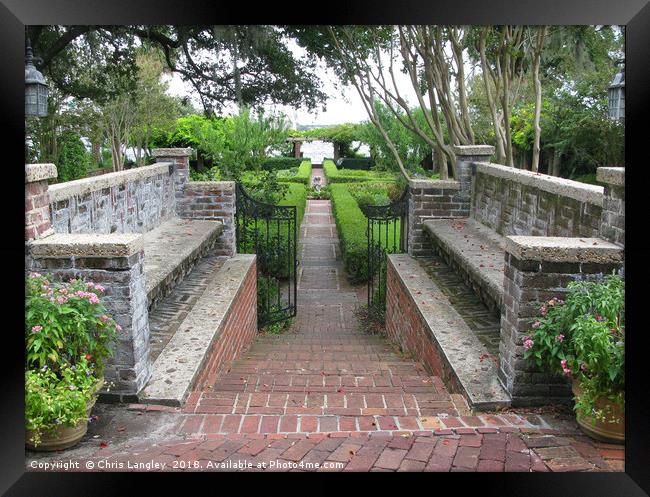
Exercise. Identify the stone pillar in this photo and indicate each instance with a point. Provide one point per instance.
(38, 223)
(116, 262)
(296, 150)
(612, 220)
(465, 156)
(180, 157)
(536, 270)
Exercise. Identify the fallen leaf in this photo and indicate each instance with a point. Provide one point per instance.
(103, 445)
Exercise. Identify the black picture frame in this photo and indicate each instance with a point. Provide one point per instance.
(635, 14)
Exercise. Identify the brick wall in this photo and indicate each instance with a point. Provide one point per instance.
(405, 326)
(516, 202)
(215, 201)
(430, 199)
(37, 212)
(238, 331)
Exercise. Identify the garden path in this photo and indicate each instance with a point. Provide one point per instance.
(326, 392)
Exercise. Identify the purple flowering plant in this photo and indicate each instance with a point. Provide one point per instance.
(65, 321)
(583, 339)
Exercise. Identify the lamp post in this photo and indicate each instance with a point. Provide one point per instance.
(616, 94)
(35, 87)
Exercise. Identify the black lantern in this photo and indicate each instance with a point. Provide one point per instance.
(616, 92)
(35, 88)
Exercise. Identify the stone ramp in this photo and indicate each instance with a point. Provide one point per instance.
(171, 250)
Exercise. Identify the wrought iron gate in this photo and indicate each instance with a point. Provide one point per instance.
(270, 232)
(387, 233)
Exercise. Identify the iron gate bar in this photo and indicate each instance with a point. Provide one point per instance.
(273, 267)
(380, 217)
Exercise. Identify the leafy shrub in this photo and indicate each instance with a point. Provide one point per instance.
(584, 339)
(278, 163)
(73, 160)
(65, 321)
(53, 400)
(212, 174)
(359, 163)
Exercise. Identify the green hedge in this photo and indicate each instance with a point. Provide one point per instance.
(363, 163)
(278, 163)
(351, 225)
(336, 175)
(303, 174)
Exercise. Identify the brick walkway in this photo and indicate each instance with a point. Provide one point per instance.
(327, 393)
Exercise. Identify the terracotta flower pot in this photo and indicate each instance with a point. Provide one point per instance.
(602, 430)
(63, 437)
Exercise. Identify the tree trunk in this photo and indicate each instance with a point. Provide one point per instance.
(554, 169)
(538, 97)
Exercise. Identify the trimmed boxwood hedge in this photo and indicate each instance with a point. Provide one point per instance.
(336, 175)
(277, 163)
(363, 163)
(351, 225)
(303, 176)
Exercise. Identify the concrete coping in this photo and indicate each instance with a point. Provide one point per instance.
(440, 184)
(172, 152)
(39, 172)
(210, 185)
(611, 175)
(563, 249)
(473, 150)
(62, 191)
(583, 192)
(87, 245)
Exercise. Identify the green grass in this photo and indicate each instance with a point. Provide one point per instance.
(336, 175)
(352, 226)
(302, 175)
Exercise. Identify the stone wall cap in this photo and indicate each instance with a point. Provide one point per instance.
(172, 152)
(563, 249)
(611, 175)
(441, 184)
(473, 150)
(87, 245)
(583, 192)
(62, 191)
(39, 172)
(206, 185)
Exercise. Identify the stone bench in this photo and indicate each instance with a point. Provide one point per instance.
(475, 251)
(171, 250)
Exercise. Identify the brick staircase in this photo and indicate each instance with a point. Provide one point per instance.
(325, 374)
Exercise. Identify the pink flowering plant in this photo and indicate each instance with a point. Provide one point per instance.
(65, 321)
(583, 339)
